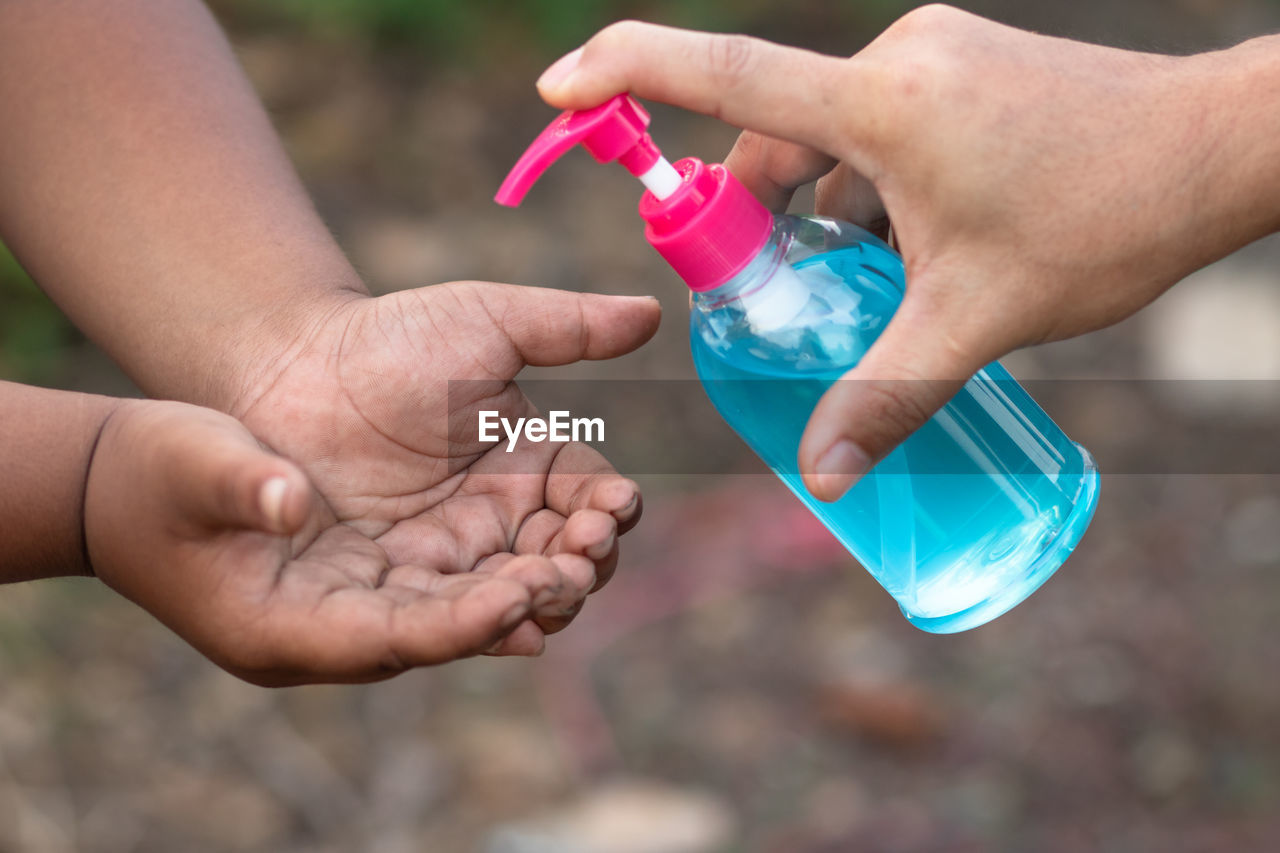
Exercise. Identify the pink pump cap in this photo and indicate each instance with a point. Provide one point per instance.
(708, 228)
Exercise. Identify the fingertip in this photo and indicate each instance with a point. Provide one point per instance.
(836, 470)
(283, 500)
(271, 501)
(901, 382)
(298, 500)
(507, 607)
(535, 645)
(527, 640)
(515, 614)
(578, 569)
(548, 327)
(630, 510)
(744, 81)
(625, 323)
(589, 532)
(646, 303)
(553, 84)
(627, 506)
(616, 495)
(229, 480)
(603, 548)
(644, 311)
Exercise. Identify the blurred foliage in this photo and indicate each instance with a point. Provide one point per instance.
(33, 333)
(452, 30)
(464, 32)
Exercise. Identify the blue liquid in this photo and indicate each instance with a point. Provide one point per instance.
(966, 518)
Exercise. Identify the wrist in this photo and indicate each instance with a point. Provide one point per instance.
(266, 342)
(49, 440)
(1257, 124)
(1234, 172)
(100, 447)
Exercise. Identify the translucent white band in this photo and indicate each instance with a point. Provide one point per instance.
(776, 302)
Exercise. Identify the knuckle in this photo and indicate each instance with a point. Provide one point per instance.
(895, 409)
(730, 58)
(752, 146)
(926, 19)
(907, 82)
(531, 572)
(615, 36)
(911, 78)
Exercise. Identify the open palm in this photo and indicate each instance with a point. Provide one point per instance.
(230, 546)
(365, 405)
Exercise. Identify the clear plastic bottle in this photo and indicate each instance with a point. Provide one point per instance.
(974, 510)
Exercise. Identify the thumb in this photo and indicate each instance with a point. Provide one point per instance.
(552, 327)
(745, 81)
(911, 371)
(231, 481)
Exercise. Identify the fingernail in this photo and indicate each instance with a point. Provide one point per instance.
(600, 550)
(838, 469)
(547, 595)
(626, 511)
(559, 70)
(515, 616)
(271, 501)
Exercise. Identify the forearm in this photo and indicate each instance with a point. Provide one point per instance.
(48, 444)
(144, 188)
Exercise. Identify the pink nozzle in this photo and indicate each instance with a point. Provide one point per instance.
(707, 226)
(615, 130)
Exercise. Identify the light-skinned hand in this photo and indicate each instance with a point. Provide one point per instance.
(1039, 188)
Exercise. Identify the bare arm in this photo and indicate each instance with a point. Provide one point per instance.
(142, 185)
(49, 438)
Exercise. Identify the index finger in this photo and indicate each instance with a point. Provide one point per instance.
(745, 81)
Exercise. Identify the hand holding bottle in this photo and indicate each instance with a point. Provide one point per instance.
(1039, 188)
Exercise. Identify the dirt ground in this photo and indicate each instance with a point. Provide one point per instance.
(742, 685)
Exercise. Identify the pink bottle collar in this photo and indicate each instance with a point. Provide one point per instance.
(710, 228)
(701, 219)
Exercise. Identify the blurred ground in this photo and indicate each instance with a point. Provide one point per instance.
(742, 685)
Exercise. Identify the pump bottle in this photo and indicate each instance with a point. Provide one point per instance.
(965, 519)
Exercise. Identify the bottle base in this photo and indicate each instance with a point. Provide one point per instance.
(1039, 571)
